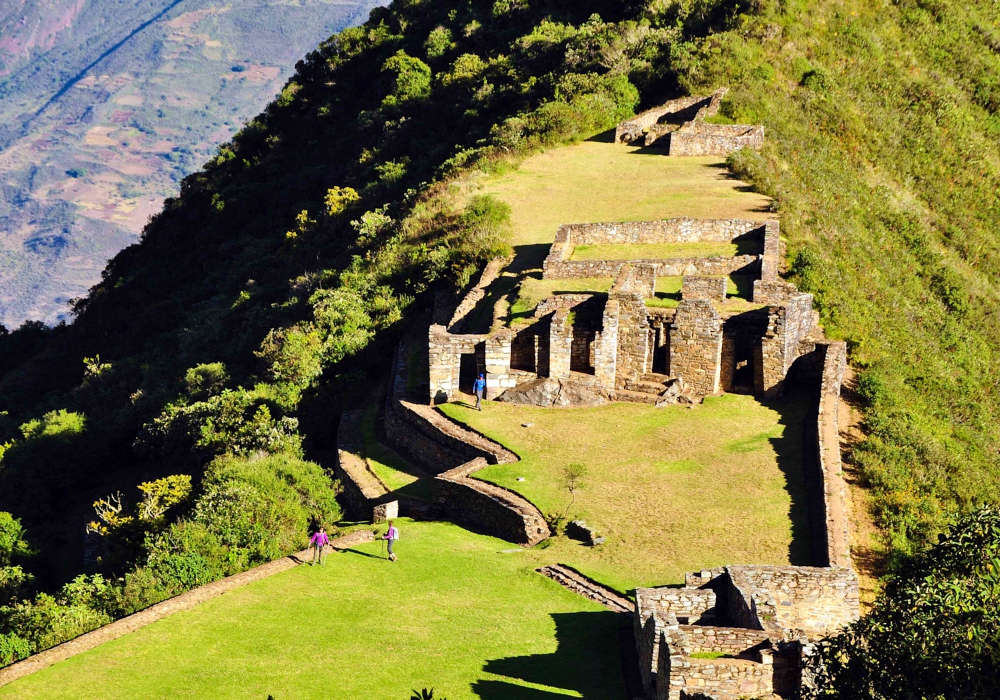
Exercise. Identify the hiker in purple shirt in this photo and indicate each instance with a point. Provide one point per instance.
(391, 535)
(319, 541)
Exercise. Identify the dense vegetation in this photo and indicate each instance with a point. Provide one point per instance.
(933, 633)
(268, 295)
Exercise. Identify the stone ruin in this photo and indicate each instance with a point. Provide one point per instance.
(616, 346)
(680, 126)
(739, 631)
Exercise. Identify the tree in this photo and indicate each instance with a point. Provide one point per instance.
(573, 480)
(935, 630)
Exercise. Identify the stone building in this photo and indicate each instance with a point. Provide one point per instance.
(739, 631)
(627, 349)
(680, 126)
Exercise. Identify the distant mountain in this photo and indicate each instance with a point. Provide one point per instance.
(106, 104)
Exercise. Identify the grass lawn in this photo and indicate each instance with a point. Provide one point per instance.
(662, 251)
(598, 181)
(455, 613)
(391, 469)
(673, 489)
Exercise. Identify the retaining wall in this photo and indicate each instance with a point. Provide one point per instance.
(362, 490)
(697, 138)
(488, 507)
(632, 129)
(666, 267)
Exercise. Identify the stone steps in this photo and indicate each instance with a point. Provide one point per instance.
(636, 396)
(655, 377)
(578, 583)
(645, 387)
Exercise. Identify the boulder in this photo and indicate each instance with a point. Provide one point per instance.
(548, 392)
(579, 530)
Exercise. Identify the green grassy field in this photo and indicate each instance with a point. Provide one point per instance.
(660, 251)
(673, 489)
(601, 181)
(458, 612)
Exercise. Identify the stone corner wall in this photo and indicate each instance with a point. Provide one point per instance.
(488, 507)
(788, 324)
(772, 251)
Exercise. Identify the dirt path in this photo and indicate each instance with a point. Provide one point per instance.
(867, 553)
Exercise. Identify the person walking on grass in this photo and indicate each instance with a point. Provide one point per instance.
(319, 541)
(390, 536)
(479, 387)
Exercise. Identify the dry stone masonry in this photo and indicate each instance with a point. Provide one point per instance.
(739, 631)
(680, 125)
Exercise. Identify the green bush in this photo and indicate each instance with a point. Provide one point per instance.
(935, 630)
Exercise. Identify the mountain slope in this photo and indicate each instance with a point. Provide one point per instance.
(106, 106)
(268, 295)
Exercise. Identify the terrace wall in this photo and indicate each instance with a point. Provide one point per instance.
(362, 490)
(696, 138)
(490, 508)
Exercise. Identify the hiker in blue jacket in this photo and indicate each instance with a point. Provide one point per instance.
(479, 387)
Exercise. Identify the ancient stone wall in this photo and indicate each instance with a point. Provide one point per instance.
(362, 490)
(677, 672)
(827, 489)
(679, 230)
(633, 129)
(700, 287)
(487, 507)
(636, 278)
(728, 640)
(560, 345)
(798, 602)
(773, 292)
(697, 138)
(634, 341)
(772, 251)
(788, 324)
(696, 346)
(445, 352)
(666, 267)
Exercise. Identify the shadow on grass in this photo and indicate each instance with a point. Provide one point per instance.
(363, 554)
(527, 258)
(791, 452)
(587, 660)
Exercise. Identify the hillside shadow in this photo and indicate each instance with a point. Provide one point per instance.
(586, 660)
(604, 137)
(791, 453)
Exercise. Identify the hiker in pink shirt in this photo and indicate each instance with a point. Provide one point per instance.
(319, 541)
(391, 535)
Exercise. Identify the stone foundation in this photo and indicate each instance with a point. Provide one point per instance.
(698, 287)
(701, 139)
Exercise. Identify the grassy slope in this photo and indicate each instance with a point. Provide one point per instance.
(600, 181)
(673, 489)
(596, 181)
(454, 613)
(882, 150)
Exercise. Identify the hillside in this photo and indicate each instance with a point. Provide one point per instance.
(268, 296)
(106, 106)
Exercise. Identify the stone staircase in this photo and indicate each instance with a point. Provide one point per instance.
(647, 389)
(578, 583)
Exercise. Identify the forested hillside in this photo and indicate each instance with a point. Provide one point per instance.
(268, 296)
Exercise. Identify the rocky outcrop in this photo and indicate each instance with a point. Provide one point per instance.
(548, 392)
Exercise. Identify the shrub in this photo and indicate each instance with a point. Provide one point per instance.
(207, 380)
(935, 630)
